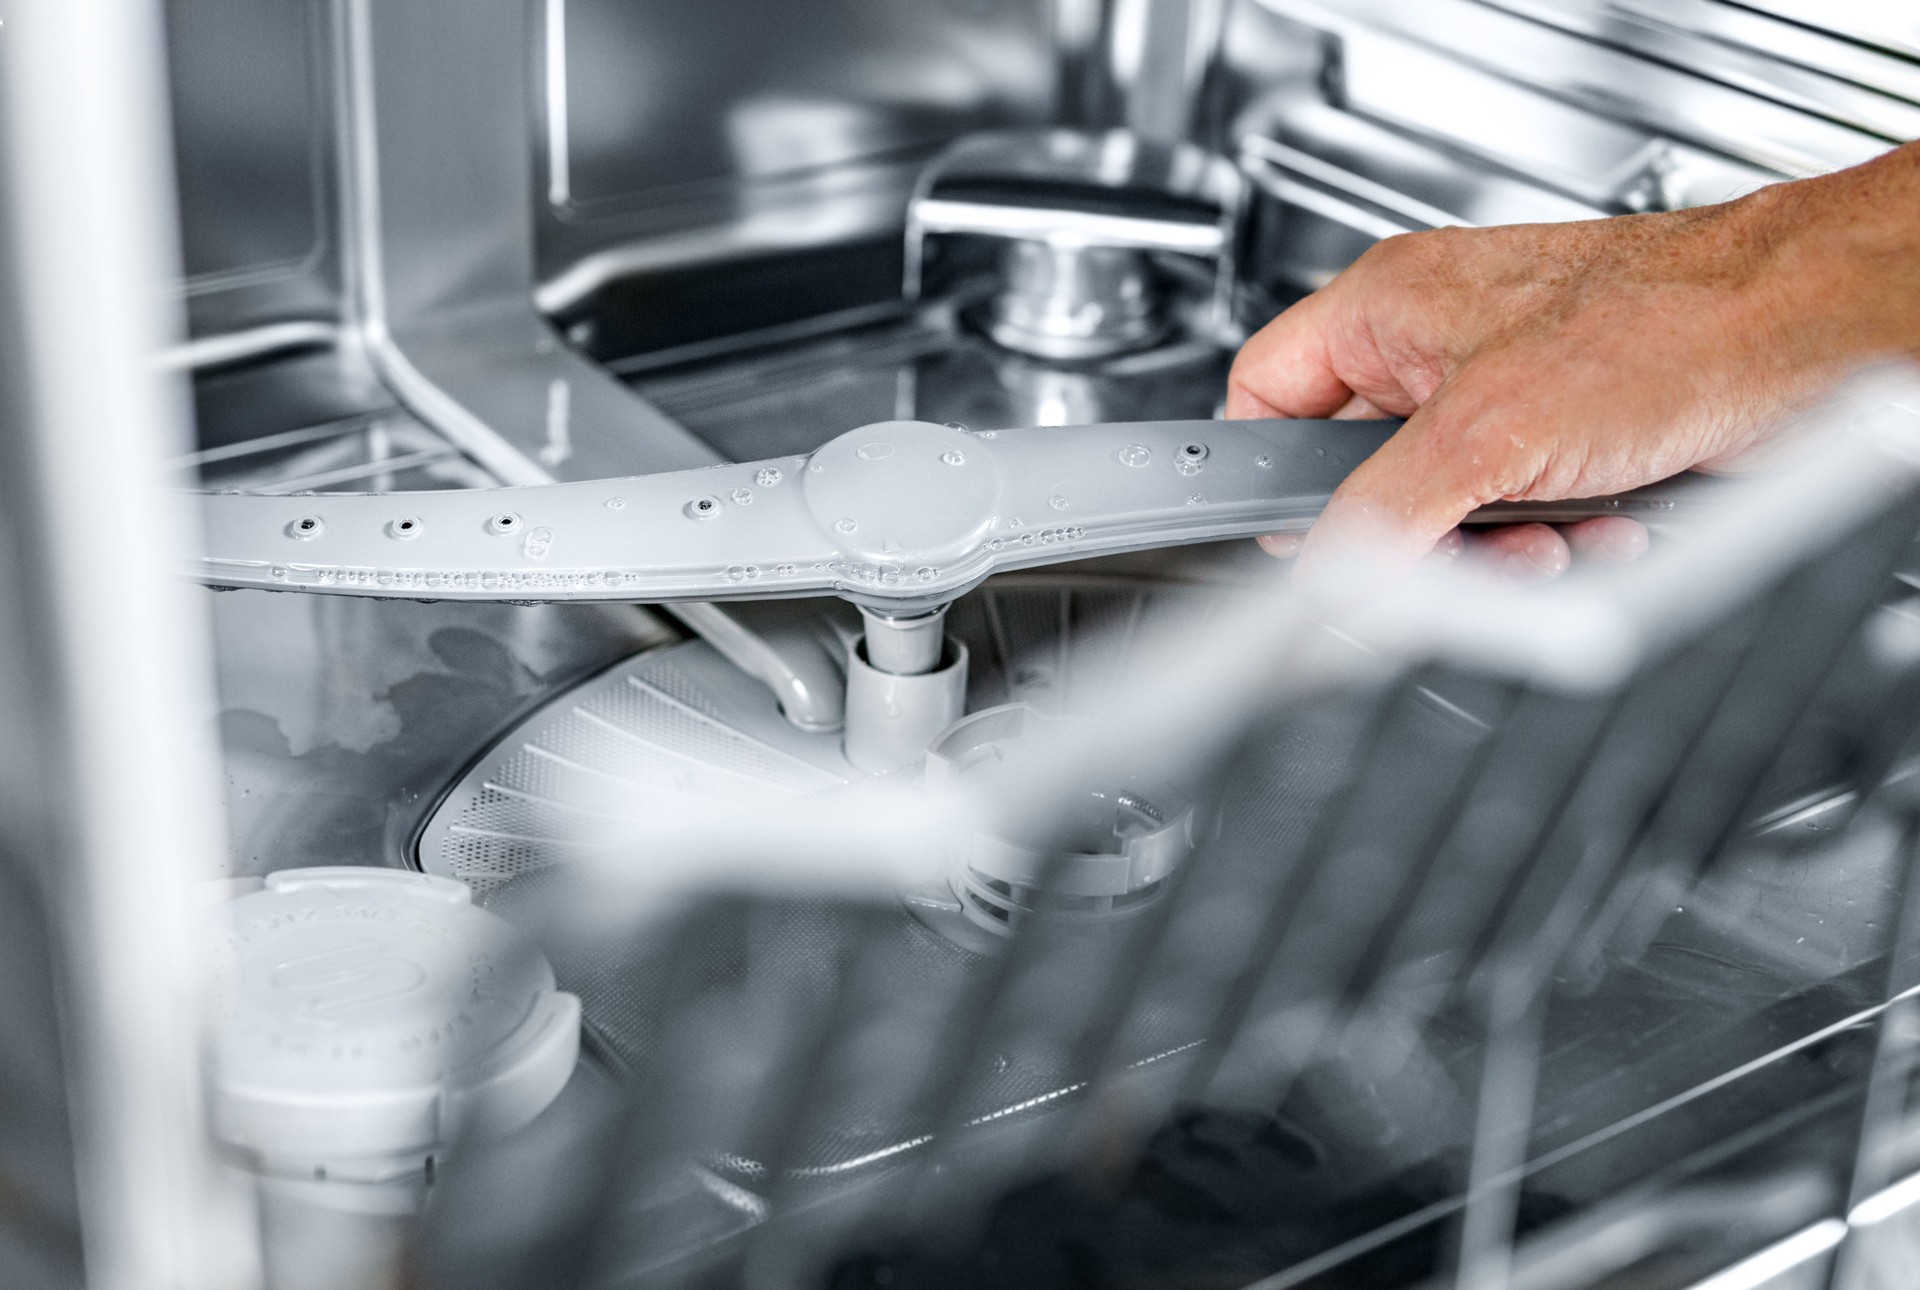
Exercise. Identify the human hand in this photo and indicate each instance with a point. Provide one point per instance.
(1547, 362)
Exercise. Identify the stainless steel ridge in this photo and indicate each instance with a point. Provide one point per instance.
(1892, 27)
(1794, 67)
(1611, 82)
(1817, 41)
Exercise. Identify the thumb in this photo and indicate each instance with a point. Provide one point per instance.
(1413, 491)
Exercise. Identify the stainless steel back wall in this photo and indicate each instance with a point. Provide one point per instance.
(676, 106)
(703, 128)
(663, 134)
(675, 133)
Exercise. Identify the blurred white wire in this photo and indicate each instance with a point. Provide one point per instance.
(88, 213)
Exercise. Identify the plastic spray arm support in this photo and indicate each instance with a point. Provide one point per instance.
(900, 515)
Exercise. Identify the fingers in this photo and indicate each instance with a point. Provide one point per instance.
(1286, 370)
(1358, 408)
(1522, 553)
(1452, 545)
(1526, 553)
(1609, 539)
(1285, 546)
(1244, 405)
(1392, 510)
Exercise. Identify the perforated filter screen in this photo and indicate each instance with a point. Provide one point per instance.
(680, 722)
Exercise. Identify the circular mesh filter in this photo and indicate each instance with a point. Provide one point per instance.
(681, 722)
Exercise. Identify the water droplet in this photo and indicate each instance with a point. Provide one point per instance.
(736, 573)
(1197, 499)
(279, 570)
(954, 457)
(742, 496)
(1319, 452)
(767, 478)
(786, 570)
(956, 425)
(1016, 524)
(1136, 454)
(1263, 461)
(926, 573)
(844, 526)
(615, 503)
(1058, 502)
(988, 434)
(816, 468)
(878, 450)
(1187, 466)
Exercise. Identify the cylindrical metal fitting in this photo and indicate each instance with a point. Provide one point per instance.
(1075, 302)
(891, 717)
(905, 646)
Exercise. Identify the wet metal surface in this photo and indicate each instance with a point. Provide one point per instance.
(343, 719)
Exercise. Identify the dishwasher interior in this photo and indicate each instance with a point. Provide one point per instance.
(436, 246)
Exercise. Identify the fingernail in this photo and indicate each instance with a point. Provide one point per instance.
(1626, 543)
(1282, 546)
(1523, 567)
(1244, 405)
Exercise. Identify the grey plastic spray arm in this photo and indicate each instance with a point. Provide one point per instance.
(900, 515)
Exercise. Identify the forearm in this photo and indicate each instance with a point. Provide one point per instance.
(1838, 281)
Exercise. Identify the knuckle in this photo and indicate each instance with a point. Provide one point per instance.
(1406, 251)
(1485, 456)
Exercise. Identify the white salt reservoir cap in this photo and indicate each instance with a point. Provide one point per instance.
(366, 1017)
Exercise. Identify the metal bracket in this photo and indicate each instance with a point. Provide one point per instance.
(438, 229)
(901, 515)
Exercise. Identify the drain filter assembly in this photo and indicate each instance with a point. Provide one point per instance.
(1109, 854)
(368, 1018)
